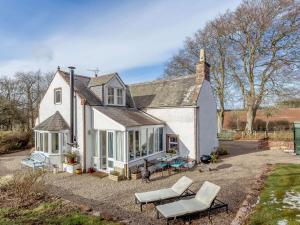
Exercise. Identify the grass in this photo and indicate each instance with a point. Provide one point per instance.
(271, 208)
(49, 213)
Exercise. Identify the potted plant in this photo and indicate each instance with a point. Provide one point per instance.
(213, 161)
(78, 171)
(70, 157)
(115, 176)
(136, 173)
(91, 170)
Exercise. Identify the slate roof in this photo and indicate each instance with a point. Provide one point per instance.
(81, 86)
(99, 80)
(175, 92)
(54, 123)
(128, 117)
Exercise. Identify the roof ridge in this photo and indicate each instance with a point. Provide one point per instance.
(163, 80)
(77, 75)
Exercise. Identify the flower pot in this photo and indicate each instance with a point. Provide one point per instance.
(78, 171)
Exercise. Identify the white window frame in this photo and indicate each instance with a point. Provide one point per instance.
(55, 91)
(111, 95)
(119, 97)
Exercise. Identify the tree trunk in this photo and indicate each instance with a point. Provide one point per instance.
(220, 120)
(251, 113)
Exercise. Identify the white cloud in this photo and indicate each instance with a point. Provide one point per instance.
(123, 38)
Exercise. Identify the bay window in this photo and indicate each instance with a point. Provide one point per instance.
(55, 143)
(46, 142)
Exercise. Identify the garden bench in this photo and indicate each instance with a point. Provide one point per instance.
(36, 160)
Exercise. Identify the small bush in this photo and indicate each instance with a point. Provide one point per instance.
(26, 187)
(222, 151)
(12, 141)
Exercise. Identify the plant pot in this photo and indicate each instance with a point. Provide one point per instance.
(78, 171)
(70, 160)
(136, 176)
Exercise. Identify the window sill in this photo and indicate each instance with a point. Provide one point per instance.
(143, 157)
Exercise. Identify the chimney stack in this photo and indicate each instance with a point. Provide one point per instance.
(202, 68)
(72, 138)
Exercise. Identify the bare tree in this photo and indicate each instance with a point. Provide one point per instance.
(265, 41)
(214, 39)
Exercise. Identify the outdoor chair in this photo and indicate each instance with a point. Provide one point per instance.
(36, 160)
(205, 200)
(179, 189)
(177, 164)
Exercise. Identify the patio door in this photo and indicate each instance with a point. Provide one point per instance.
(110, 150)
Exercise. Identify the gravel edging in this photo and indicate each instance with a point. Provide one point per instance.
(252, 197)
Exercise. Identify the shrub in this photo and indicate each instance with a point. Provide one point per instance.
(11, 141)
(26, 187)
(222, 151)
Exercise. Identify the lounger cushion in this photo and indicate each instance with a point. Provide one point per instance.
(157, 195)
(202, 201)
(182, 184)
(207, 193)
(175, 191)
(181, 208)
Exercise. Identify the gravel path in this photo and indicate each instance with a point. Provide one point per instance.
(116, 199)
(11, 162)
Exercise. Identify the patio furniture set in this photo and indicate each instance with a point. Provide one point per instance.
(171, 163)
(205, 200)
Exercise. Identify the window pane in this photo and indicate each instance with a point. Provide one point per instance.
(144, 142)
(130, 145)
(57, 96)
(46, 142)
(97, 144)
(150, 139)
(55, 143)
(119, 146)
(110, 94)
(161, 139)
(173, 145)
(120, 96)
(37, 148)
(41, 142)
(110, 145)
(103, 149)
(137, 144)
(156, 139)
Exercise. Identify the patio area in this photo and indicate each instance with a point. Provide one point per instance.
(116, 199)
(235, 174)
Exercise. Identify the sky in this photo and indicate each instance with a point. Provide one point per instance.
(132, 37)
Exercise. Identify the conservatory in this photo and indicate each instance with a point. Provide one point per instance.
(51, 138)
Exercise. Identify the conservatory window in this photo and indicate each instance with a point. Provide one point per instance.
(119, 146)
(97, 144)
(150, 140)
(137, 144)
(41, 142)
(144, 146)
(161, 130)
(55, 143)
(45, 142)
(172, 144)
(130, 145)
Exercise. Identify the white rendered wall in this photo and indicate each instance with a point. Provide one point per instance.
(47, 108)
(103, 122)
(179, 121)
(207, 120)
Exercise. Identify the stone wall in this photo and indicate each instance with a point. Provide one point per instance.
(275, 145)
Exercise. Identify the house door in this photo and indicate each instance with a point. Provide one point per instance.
(110, 150)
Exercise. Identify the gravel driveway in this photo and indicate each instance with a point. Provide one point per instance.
(116, 199)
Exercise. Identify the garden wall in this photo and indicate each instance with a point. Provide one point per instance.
(276, 145)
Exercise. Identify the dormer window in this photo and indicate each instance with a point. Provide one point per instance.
(110, 95)
(57, 96)
(120, 96)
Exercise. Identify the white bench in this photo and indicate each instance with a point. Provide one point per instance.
(36, 160)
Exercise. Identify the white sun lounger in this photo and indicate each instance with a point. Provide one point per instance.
(203, 201)
(179, 189)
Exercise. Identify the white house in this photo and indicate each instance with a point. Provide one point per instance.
(115, 126)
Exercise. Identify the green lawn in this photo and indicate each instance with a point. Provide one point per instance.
(279, 201)
(48, 213)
